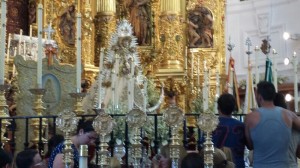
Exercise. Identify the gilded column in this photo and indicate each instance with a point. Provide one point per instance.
(87, 35)
(171, 36)
(105, 24)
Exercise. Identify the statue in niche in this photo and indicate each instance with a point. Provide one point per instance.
(139, 17)
(49, 97)
(67, 25)
(32, 12)
(200, 27)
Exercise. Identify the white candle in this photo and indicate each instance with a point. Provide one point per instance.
(132, 83)
(100, 78)
(205, 90)
(83, 156)
(40, 45)
(230, 88)
(192, 66)
(217, 91)
(78, 53)
(295, 64)
(8, 46)
(114, 76)
(185, 59)
(3, 39)
(14, 67)
(24, 48)
(30, 32)
(145, 94)
(20, 40)
(198, 72)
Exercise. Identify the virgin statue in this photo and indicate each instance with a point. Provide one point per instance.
(121, 81)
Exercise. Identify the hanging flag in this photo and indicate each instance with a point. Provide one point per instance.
(232, 85)
(268, 73)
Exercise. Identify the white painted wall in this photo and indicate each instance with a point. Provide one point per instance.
(256, 19)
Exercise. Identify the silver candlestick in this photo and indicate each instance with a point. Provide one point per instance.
(103, 125)
(135, 119)
(208, 122)
(174, 117)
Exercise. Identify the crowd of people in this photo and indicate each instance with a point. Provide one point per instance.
(271, 132)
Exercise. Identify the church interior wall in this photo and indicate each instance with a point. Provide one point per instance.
(255, 19)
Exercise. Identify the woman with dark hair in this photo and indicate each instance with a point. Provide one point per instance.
(52, 143)
(85, 135)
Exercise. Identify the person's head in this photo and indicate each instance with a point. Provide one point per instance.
(85, 132)
(265, 92)
(279, 100)
(165, 161)
(29, 159)
(5, 159)
(226, 104)
(192, 160)
(220, 160)
(53, 142)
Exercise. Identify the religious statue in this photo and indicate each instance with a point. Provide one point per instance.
(32, 12)
(139, 17)
(67, 25)
(51, 54)
(49, 95)
(265, 46)
(122, 71)
(200, 27)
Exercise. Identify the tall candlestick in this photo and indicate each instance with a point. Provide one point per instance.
(8, 46)
(3, 39)
(40, 45)
(78, 53)
(296, 98)
(100, 78)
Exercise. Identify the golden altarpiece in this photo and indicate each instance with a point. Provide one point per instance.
(176, 38)
(171, 44)
(177, 41)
